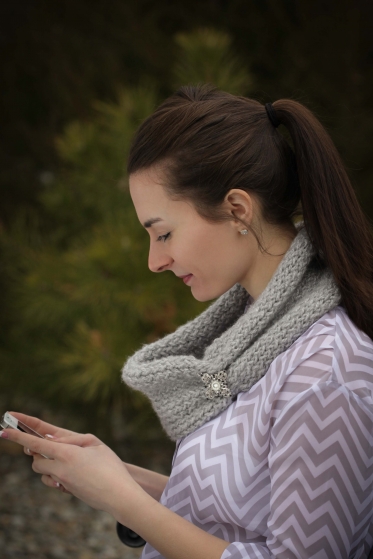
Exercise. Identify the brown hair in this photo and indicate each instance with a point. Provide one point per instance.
(208, 141)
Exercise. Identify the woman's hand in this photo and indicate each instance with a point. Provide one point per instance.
(41, 426)
(91, 471)
(72, 438)
(152, 482)
(47, 430)
(82, 464)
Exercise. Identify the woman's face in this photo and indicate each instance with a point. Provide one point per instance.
(211, 257)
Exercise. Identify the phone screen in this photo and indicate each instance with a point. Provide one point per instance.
(9, 421)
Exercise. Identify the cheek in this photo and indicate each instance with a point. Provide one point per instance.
(212, 249)
(202, 247)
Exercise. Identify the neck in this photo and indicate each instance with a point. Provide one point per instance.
(265, 263)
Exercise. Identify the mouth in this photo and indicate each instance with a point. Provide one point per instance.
(186, 278)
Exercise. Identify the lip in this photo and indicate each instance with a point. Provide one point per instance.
(186, 278)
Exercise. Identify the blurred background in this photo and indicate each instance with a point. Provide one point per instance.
(76, 297)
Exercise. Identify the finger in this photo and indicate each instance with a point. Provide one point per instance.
(49, 481)
(45, 467)
(38, 467)
(80, 440)
(77, 440)
(28, 451)
(40, 426)
(58, 485)
(34, 444)
(53, 483)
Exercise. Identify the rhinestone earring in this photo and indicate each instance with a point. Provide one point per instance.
(244, 231)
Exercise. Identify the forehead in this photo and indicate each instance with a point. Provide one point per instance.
(146, 186)
(151, 200)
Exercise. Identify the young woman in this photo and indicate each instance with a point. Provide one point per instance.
(268, 392)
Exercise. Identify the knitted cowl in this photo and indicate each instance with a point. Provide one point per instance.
(226, 339)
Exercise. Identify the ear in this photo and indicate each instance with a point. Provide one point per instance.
(240, 205)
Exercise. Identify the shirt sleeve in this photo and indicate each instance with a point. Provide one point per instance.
(321, 471)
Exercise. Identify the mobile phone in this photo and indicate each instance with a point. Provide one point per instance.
(8, 421)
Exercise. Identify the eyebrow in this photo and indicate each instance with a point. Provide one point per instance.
(150, 221)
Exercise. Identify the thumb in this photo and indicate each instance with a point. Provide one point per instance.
(77, 440)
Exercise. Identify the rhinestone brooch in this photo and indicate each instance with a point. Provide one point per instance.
(216, 385)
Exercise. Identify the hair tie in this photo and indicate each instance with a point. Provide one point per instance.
(272, 115)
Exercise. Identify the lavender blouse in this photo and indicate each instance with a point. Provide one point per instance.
(286, 471)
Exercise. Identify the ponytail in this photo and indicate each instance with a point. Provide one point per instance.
(334, 219)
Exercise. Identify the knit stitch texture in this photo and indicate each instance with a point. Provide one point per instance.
(225, 338)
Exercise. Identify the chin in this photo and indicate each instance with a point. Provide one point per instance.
(202, 297)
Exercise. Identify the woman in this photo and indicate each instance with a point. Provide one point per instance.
(268, 392)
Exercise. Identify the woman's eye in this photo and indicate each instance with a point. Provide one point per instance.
(163, 237)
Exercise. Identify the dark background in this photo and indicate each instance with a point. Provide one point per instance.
(57, 60)
(57, 57)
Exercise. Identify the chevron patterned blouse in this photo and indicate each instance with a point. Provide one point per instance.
(286, 471)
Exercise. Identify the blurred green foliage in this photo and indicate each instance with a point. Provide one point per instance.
(206, 55)
(81, 291)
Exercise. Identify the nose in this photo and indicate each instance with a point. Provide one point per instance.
(158, 260)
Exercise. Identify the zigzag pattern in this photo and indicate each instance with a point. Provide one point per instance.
(287, 470)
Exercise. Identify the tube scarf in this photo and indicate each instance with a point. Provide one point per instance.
(193, 374)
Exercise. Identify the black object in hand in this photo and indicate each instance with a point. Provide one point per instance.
(129, 537)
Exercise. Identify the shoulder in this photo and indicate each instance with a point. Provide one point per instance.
(333, 349)
(332, 352)
(352, 356)
(325, 375)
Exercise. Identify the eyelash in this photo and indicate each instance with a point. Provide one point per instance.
(164, 237)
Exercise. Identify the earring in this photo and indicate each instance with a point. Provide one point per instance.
(244, 231)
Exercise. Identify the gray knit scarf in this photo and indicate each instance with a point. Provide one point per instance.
(195, 373)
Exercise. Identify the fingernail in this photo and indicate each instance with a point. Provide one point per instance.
(57, 484)
(49, 436)
(4, 435)
(28, 451)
